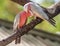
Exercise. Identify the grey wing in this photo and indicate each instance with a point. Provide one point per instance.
(16, 22)
(35, 8)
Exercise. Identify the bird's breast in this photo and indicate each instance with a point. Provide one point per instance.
(22, 20)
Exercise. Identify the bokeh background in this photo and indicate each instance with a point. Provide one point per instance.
(9, 9)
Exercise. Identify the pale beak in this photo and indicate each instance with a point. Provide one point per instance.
(32, 13)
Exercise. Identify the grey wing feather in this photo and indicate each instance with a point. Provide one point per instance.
(35, 8)
(52, 22)
(16, 22)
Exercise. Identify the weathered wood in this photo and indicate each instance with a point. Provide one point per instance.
(6, 23)
(21, 2)
(44, 34)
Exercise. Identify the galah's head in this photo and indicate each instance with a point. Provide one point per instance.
(27, 8)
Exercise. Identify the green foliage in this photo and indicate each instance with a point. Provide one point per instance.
(47, 3)
(8, 10)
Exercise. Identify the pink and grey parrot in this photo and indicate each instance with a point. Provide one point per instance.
(36, 10)
(19, 22)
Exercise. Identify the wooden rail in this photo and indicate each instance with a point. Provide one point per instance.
(41, 33)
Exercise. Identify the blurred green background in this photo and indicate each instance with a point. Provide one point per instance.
(9, 9)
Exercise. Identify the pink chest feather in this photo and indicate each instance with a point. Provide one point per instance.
(23, 19)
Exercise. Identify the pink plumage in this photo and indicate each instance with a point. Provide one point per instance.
(20, 20)
(23, 18)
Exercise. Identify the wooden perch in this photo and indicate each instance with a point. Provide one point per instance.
(21, 2)
(32, 24)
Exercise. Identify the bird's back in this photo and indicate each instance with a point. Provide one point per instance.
(38, 11)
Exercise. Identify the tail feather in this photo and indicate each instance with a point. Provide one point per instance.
(52, 22)
(18, 37)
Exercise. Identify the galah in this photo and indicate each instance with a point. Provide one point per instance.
(19, 21)
(36, 10)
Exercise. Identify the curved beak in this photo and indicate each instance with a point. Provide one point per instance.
(32, 13)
